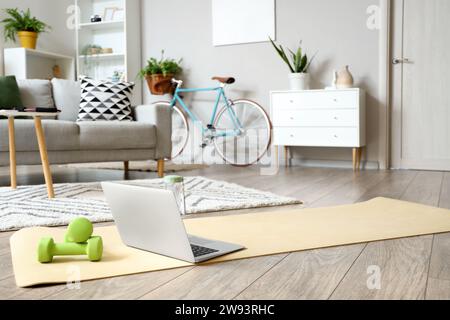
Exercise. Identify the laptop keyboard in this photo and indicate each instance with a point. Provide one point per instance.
(201, 251)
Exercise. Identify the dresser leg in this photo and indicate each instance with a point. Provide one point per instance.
(286, 156)
(358, 158)
(357, 154)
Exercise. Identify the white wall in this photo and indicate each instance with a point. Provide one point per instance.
(335, 28)
(53, 12)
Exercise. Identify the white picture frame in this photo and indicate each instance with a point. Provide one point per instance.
(119, 14)
(108, 13)
(242, 21)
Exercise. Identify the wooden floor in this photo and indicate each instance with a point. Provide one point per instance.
(411, 268)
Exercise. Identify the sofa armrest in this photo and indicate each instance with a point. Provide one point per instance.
(161, 117)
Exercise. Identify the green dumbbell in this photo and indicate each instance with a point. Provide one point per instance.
(79, 230)
(47, 249)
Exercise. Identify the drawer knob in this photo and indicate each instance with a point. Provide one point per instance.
(292, 135)
(292, 118)
(336, 118)
(335, 100)
(336, 136)
(291, 101)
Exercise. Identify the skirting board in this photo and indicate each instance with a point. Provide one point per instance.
(365, 165)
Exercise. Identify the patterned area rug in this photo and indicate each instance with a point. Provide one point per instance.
(29, 206)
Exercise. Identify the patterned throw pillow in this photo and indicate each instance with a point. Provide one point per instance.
(105, 101)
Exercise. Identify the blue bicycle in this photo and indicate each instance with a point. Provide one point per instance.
(240, 130)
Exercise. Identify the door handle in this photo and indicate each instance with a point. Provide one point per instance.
(400, 61)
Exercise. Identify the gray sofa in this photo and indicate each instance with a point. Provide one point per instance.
(68, 141)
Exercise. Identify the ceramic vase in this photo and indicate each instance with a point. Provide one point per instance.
(344, 79)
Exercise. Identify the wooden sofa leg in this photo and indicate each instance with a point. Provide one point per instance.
(160, 168)
(126, 166)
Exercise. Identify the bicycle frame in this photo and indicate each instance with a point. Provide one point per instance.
(220, 95)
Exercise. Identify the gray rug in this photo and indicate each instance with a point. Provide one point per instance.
(29, 206)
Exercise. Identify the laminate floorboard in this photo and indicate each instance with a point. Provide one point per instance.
(410, 268)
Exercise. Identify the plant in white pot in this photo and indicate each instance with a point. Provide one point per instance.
(298, 65)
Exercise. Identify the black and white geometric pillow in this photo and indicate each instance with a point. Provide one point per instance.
(105, 101)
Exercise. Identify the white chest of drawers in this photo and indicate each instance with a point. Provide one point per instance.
(320, 118)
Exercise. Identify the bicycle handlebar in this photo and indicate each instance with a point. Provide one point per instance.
(177, 82)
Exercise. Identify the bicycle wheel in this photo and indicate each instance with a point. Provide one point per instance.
(253, 141)
(180, 129)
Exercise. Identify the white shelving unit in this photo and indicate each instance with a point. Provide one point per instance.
(103, 56)
(33, 64)
(121, 34)
(104, 25)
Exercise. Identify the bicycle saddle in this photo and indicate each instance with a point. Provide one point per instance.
(227, 80)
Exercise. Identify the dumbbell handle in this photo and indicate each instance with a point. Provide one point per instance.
(69, 249)
(47, 249)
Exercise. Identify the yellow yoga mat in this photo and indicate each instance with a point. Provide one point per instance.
(261, 233)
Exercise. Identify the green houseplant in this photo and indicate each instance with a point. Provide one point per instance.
(159, 73)
(298, 64)
(26, 27)
(91, 49)
(88, 52)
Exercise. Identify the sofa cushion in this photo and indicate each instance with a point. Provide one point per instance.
(105, 100)
(59, 135)
(36, 93)
(114, 135)
(67, 95)
(9, 93)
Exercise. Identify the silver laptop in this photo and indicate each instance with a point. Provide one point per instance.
(149, 219)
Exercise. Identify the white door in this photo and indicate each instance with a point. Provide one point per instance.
(421, 85)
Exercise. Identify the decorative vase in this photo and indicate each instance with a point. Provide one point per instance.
(344, 79)
(27, 39)
(57, 73)
(335, 77)
(299, 81)
(160, 84)
(115, 77)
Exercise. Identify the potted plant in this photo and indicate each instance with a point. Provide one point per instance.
(91, 49)
(26, 27)
(298, 65)
(87, 52)
(159, 73)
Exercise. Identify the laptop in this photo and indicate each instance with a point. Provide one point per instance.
(148, 219)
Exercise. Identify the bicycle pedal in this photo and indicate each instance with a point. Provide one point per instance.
(203, 145)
